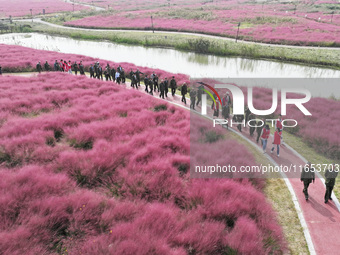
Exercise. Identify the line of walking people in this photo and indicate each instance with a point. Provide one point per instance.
(118, 75)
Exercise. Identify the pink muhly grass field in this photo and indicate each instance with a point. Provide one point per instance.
(269, 23)
(17, 8)
(89, 167)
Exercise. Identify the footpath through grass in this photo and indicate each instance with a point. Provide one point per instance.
(311, 155)
(329, 58)
(279, 196)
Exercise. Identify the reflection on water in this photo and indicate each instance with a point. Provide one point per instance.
(195, 65)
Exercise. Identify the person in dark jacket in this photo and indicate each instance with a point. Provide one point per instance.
(138, 73)
(113, 74)
(216, 108)
(146, 83)
(330, 176)
(199, 94)
(107, 72)
(260, 125)
(151, 86)
(96, 72)
(166, 87)
(247, 113)
(131, 74)
(193, 94)
(162, 89)
(173, 86)
(39, 67)
(252, 124)
(239, 119)
(122, 75)
(47, 66)
(307, 177)
(81, 68)
(56, 66)
(75, 68)
(155, 82)
(100, 72)
(134, 81)
(0, 70)
(184, 91)
(92, 72)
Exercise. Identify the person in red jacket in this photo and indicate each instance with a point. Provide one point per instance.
(264, 137)
(278, 123)
(277, 141)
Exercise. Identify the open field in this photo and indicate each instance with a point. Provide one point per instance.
(294, 23)
(62, 177)
(17, 8)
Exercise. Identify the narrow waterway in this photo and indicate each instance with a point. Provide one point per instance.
(193, 64)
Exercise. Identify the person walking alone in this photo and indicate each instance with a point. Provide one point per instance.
(330, 176)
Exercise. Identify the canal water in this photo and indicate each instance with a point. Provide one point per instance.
(193, 64)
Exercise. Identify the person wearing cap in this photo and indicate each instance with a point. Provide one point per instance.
(330, 177)
(173, 86)
(184, 91)
(307, 177)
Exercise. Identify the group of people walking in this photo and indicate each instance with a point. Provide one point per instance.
(308, 176)
(62, 66)
(118, 75)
